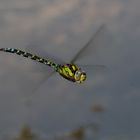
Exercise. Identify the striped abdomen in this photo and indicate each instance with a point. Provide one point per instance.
(31, 56)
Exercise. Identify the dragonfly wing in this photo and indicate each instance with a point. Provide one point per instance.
(97, 68)
(94, 71)
(89, 48)
(40, 71)
(42, 52)
(43, 80)
(33, 79)
(45, 71)
(18, 75)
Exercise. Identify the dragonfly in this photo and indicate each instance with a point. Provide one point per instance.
(69, 71)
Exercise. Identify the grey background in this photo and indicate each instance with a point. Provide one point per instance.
(60, 28)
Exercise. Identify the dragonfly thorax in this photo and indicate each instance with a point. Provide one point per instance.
(72, 73)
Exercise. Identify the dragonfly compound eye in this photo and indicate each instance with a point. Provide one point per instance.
(80, 76)
(83, 76)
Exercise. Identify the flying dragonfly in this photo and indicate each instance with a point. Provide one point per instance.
(69, 71)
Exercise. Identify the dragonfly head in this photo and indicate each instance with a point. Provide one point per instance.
(80, 76)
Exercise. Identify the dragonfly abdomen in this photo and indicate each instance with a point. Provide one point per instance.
(31, 56)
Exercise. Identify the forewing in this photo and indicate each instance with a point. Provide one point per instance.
(88, 53)
(94, 68)
(94, 72)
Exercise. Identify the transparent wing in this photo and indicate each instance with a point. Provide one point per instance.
(34, 48)
(39, 67)
(95, 73)
(17, 76)
(96, 69)
(45, 71)
(87, 52)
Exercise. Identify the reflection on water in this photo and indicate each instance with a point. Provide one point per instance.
(26, 134)
(85, 132)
